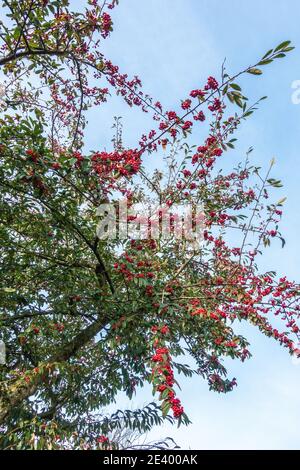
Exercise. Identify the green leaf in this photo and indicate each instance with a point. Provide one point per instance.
(254, 71)
(283, 242)
(265, 62)
(281, 201)
(282, 45)
(267, 54)
(235, 86)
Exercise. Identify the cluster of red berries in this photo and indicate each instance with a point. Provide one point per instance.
(163, 374)
(246, 295)
(106, 25)
(171, 123)
(124, 163)
(102, 439)
(33, 155)
(131, 268)
(59, 327)
(212, 84)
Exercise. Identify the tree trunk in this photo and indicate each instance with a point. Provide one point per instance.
(12, 394)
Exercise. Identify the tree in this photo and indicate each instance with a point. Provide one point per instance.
(84, 317)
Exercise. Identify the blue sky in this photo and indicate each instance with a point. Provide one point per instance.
(173, 45)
